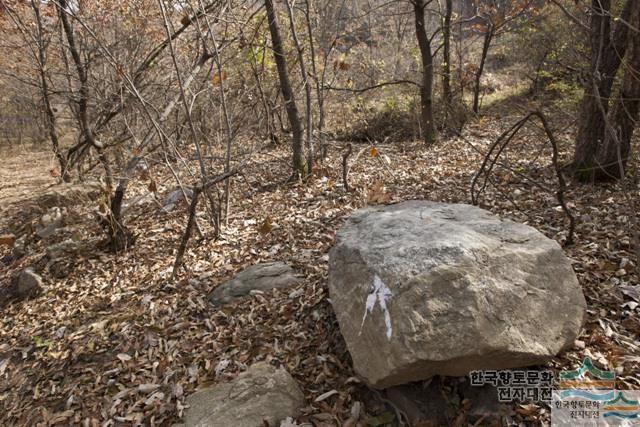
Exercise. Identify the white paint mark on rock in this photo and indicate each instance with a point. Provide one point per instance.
(380, 294)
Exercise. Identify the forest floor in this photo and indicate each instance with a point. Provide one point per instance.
(25, 171)
(116, 342)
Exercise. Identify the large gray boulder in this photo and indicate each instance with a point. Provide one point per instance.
(262, 395)
(261, 277)
(423, 289)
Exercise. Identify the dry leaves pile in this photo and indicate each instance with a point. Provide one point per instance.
(117, 343)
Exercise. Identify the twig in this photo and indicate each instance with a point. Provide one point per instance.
(192, 214)
(365, 89)
(345, 166)
(187, 232)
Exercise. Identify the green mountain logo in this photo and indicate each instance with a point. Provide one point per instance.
(596, 378)
(622, 400)
(622, 408)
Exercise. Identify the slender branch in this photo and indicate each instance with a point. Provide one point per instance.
(503, 140)
(377, 86)
(203, 186)
(571, 16)
(345, 166)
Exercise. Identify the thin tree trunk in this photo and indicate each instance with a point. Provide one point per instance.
(488, 37)
(307, 89)
(83, 91)
(287, 92)
(426, 90)
(446, 53)
(50, 117)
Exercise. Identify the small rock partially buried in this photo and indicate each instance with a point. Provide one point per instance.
(25, 285)
(260, 277)
(28, 284)
(262, 395)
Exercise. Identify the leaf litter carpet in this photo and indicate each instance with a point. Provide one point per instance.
(117, 343)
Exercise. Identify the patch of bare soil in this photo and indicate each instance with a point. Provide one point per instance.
(25, 172)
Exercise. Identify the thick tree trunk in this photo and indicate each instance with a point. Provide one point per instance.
(613, 153)
(607, 53)
(426, 90)
(287, 91)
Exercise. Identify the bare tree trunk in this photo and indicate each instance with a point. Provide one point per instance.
(426, 90)
(307, 89)
(81, 68)
(50, 117)
(607, 53)
(287, 92)
(446, 56)
(488, 37)
(314, 70)
(613, 153)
